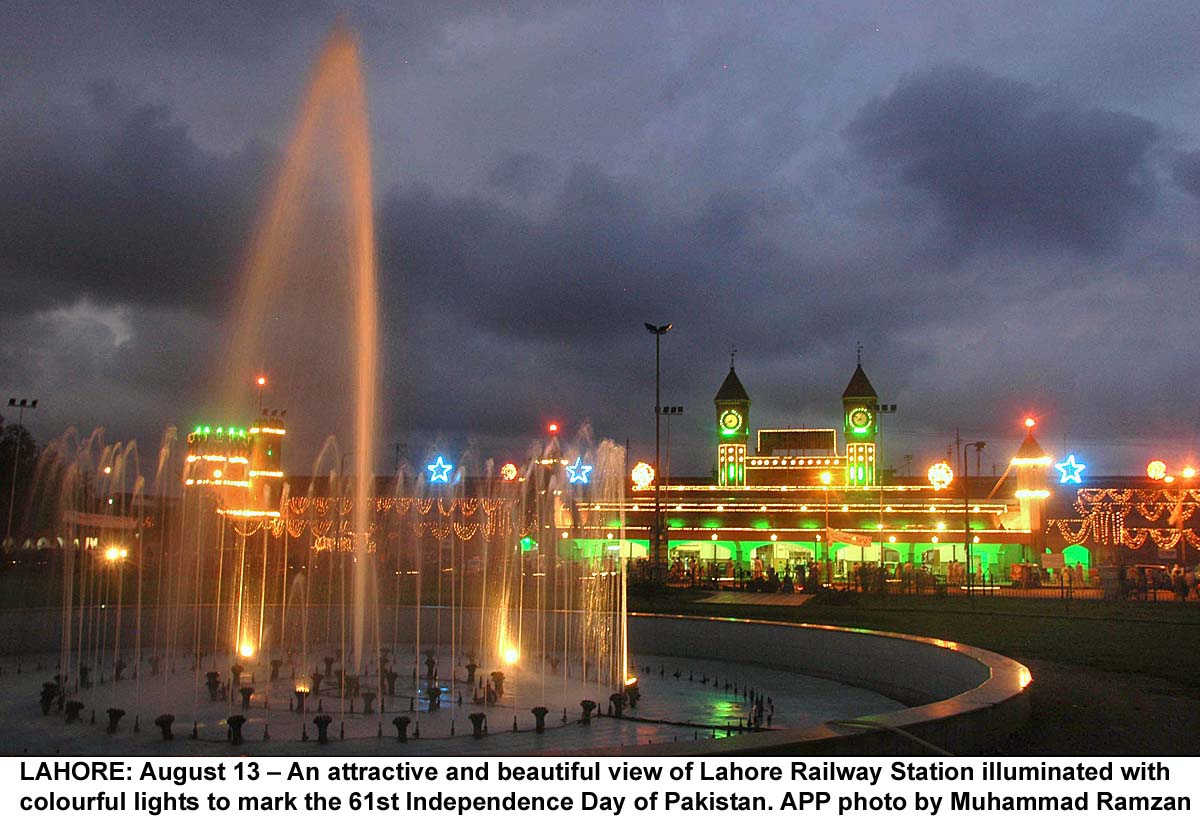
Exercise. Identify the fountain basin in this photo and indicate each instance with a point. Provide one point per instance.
(826, 690)
(961, 698)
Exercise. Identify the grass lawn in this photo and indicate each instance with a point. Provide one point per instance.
(1159, 639)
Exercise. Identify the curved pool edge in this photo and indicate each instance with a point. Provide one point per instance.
(993, 701)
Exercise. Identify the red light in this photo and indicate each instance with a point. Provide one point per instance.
(553, 427)
(1030, 423)
(262, 381)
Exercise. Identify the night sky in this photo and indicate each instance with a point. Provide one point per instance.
(1000, 201)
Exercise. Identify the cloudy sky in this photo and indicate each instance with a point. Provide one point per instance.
(999, 200)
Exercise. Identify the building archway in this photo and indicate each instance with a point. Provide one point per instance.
(1077, 554)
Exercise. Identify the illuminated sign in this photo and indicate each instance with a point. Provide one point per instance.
(1070, 470)
(579, 472)
(439, 470)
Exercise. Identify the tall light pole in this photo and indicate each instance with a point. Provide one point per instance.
(657, 558)
(22, 405)
(979, 445)
(669, 411)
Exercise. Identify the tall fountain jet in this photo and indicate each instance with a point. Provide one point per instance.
(316, 236)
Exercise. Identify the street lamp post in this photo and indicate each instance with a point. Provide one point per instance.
(979, 445)
(666, 480)
(826, 480)
(656, 555)
(22, 405)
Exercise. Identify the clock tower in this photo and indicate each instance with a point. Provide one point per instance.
(733, 428)
(860, 406)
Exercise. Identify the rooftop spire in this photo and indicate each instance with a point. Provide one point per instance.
(732, 389)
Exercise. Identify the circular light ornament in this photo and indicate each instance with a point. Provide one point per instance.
(731, 421)
(860, 419)
(642, 474)
(940, 475)
(1156, 470)
(509, 472)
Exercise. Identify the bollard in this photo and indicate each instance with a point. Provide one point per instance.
(50, 693)
(618, 704)
(163, 721)
(322, 722)
(539, 716)
(235, 723)
(73, 709)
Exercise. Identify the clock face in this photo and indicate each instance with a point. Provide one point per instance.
(731, 419)
(860, 419)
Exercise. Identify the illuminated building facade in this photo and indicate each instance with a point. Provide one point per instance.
(776, 497)
(242, 466)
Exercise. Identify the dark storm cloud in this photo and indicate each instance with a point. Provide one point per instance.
(1186, 171)
(549, 176)
(1006, 162)
(117, 203)
(521, 172)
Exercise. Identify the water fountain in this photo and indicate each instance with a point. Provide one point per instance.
(223, 593)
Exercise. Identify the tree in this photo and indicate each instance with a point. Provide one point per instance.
(30, 451)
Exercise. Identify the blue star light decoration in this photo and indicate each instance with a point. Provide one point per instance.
(1070, 470)
(579, 472)
(439, 470)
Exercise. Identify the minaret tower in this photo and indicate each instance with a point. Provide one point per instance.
(733, 428)
(1031, 464)
(266, 459)
(861, 427)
